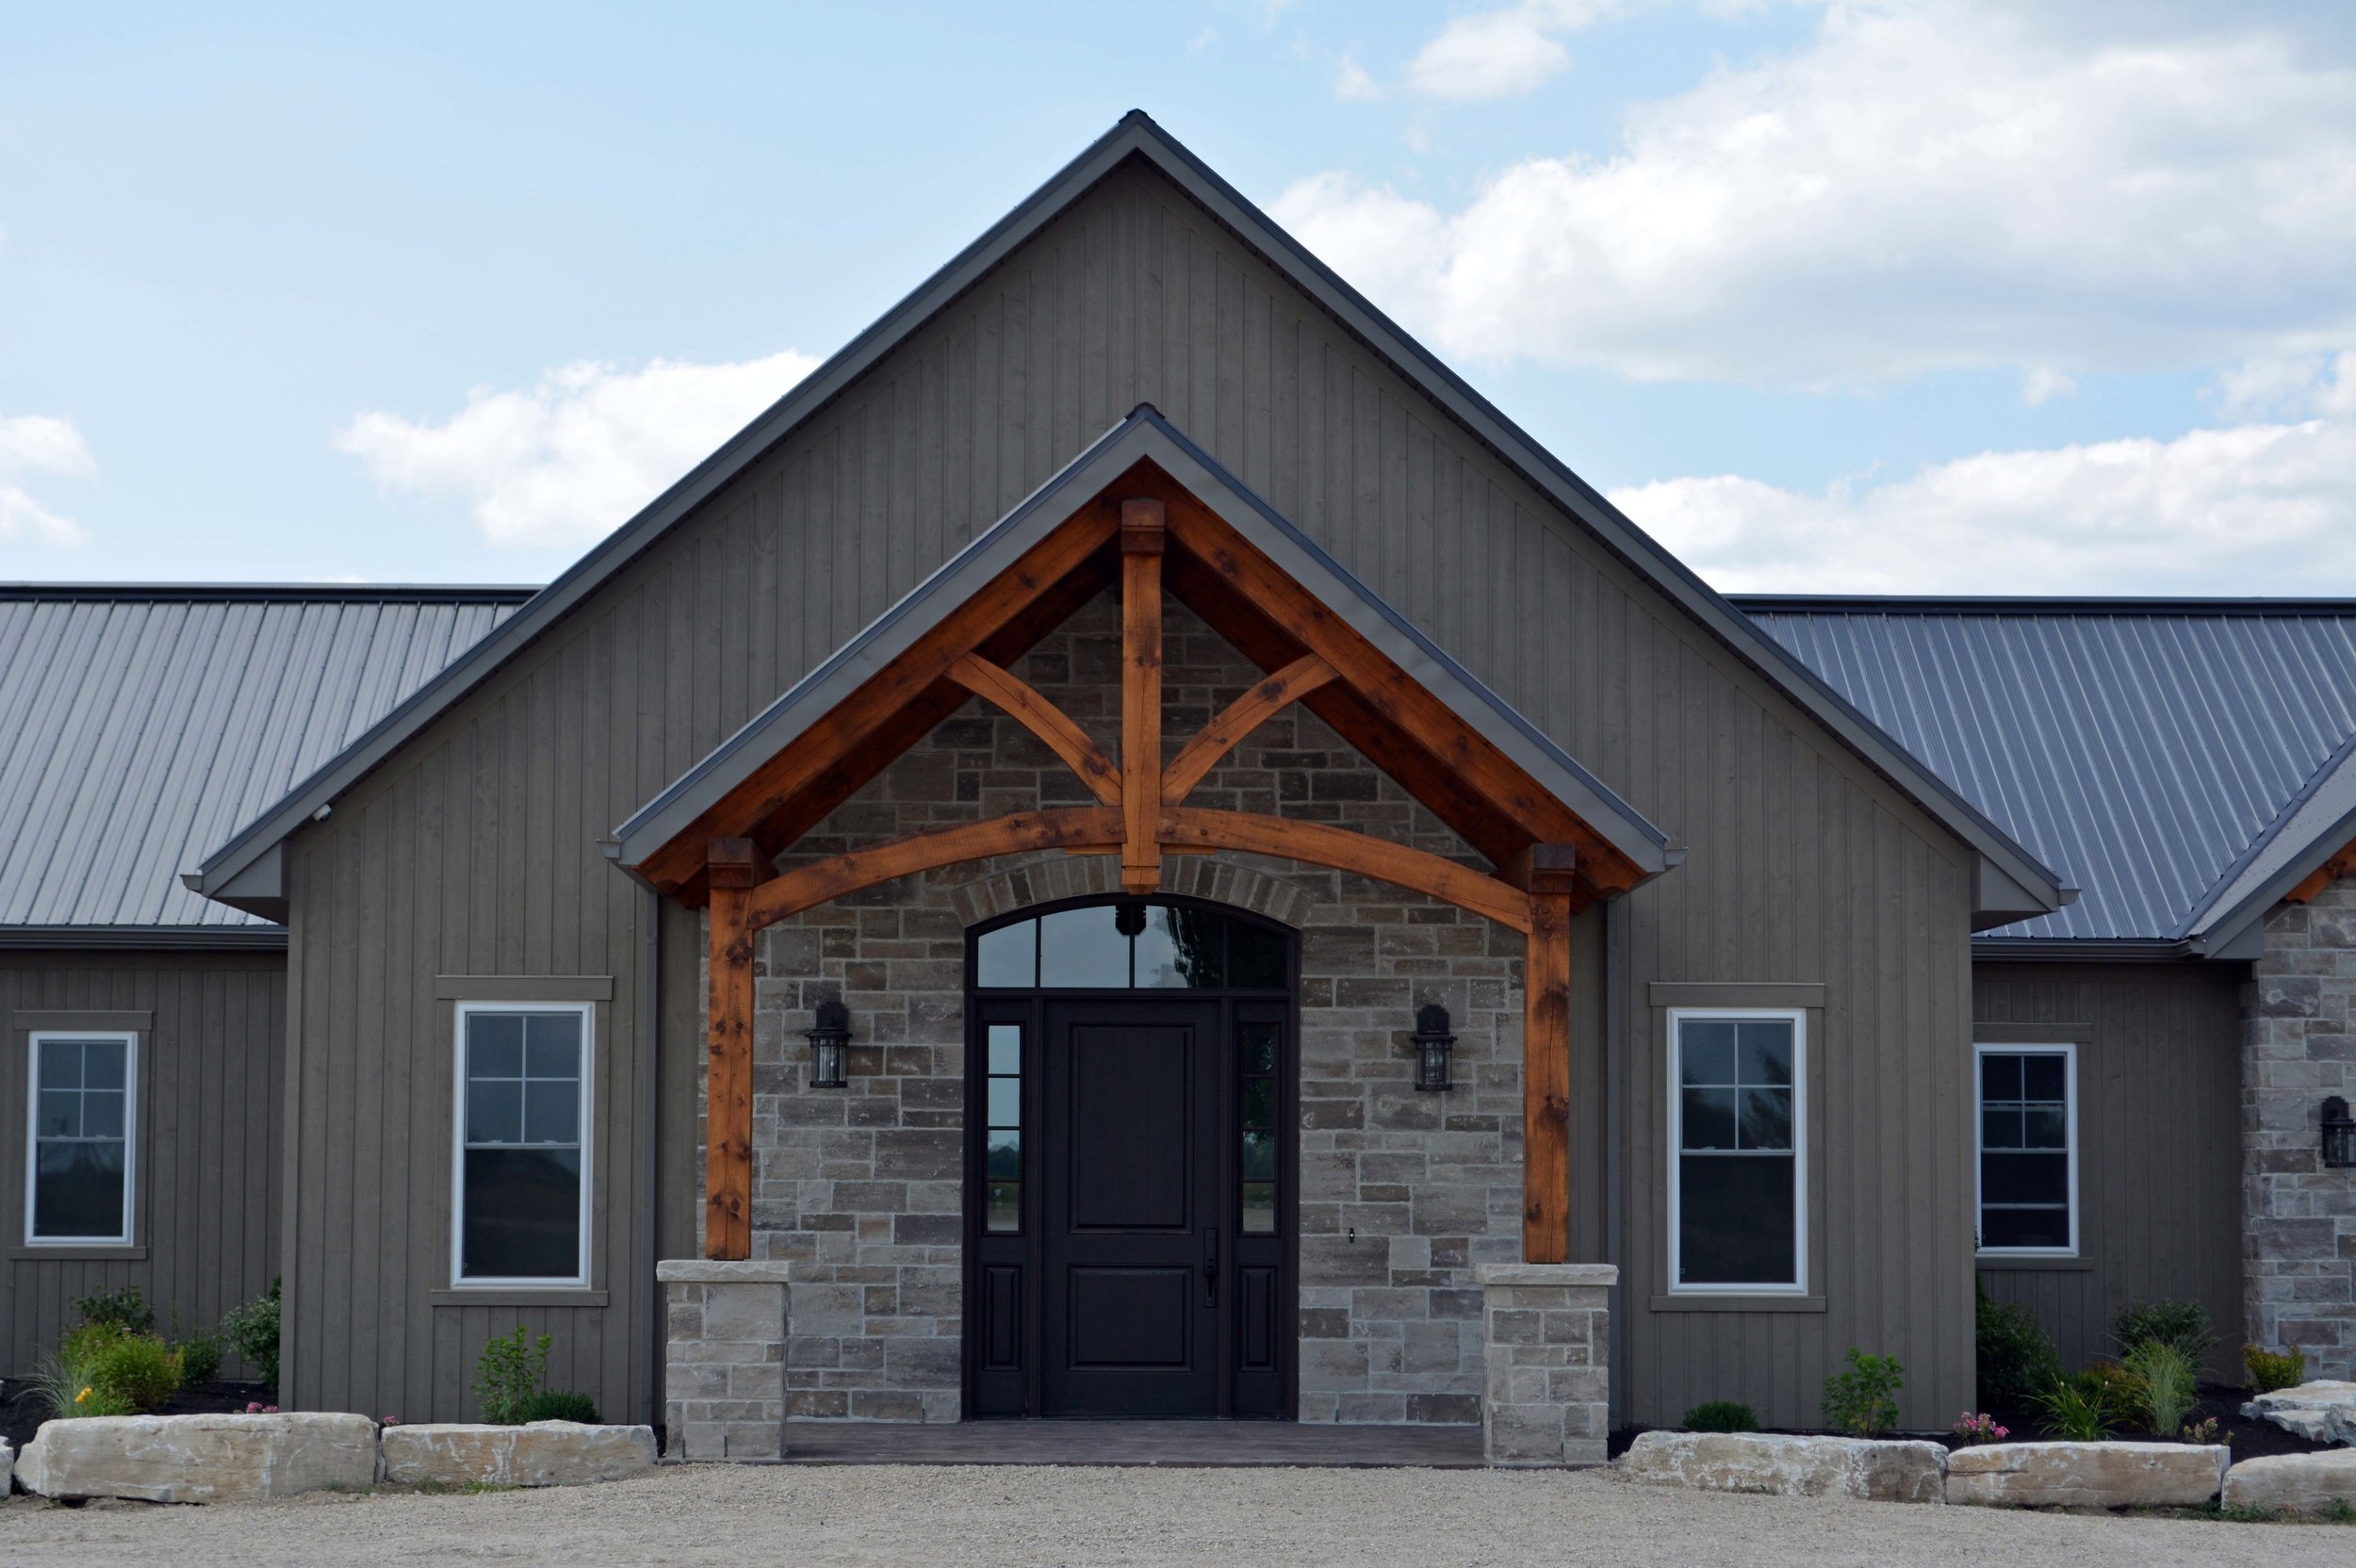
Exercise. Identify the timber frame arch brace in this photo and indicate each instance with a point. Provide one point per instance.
(1143, 532)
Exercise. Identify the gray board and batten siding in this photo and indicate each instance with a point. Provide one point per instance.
(205, 1218)
(472, 848)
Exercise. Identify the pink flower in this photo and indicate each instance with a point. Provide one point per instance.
(392, 1421)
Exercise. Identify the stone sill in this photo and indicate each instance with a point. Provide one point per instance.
(722, 1271)
(1558, 1274)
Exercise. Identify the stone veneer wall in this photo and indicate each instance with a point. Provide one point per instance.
(1402, 1195)
(2299, 1235)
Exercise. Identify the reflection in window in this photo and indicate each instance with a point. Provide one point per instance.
(1121, 946)
(81, 1139)
(1001, 1137)
(521, 1199)
(1255, 1066)
(1737, 1157)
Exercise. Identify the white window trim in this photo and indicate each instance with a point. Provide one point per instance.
(130, 1133)
(2068, 1051)
(459, 1278)
(1798, 1019)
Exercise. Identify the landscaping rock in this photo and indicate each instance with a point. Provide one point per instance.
(1791, 1466)
(2320, 1412)
(546, 1453)
(2087, 1475)
(7, 1467)
(2304, 1483)
(199, 1459)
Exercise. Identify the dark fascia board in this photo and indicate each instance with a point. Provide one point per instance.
(2079, 950)
(2008, 604)
(1145, 434)
(1138, 136)
(264, 938)
(269, 592)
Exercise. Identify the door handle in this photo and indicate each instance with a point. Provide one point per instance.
(1210, 1267)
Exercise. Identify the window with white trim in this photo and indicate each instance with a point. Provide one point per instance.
(2028, 1149)
(1737, 1211)
(521, 1177)
(80, 1152)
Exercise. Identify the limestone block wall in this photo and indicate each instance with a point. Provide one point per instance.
(2299, 1219)
(1402, 1195)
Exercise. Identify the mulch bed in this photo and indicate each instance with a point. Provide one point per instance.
(21, 1413)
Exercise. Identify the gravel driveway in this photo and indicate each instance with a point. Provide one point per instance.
(889, 1514)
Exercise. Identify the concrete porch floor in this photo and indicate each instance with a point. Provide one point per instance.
(1184, 1445)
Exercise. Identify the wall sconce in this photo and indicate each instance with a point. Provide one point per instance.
(1433, 1044)
(830, 1045)
(2339, 1134)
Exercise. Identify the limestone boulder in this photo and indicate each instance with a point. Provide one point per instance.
(7, 1467)
(1887, 1472)
(546, 1453)
(2302, 1483)
(2087, 1475)
(199, 1458)
(2321, 1412)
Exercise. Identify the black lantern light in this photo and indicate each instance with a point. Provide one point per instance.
(830, 1045)
(2339, 1134)
(1433, 1044)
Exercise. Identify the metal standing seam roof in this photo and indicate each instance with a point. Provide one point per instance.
(145, 724)
(2153, 749)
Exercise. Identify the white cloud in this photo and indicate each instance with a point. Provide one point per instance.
(39, 443)
(1489, 55)
(2249, 509)
(1353, 86)
(1921, 185)
(569, 459)
(2043, 383)
(2291, 386)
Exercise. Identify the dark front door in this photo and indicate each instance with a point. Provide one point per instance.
(1131, 1226)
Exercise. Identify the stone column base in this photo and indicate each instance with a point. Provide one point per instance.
(1546, 1342)
(724, 1379)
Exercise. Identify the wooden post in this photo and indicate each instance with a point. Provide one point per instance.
(1141, 532)
(1550, 873)
(734, 866)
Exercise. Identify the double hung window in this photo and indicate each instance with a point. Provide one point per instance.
(521, 1175)
(80, 1154)
(1738, 1212)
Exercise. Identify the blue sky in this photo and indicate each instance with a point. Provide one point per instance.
(1946, 296)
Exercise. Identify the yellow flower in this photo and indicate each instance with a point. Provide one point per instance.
(79, 1397)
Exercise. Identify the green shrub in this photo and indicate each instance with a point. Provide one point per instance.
(252, 1331)
(2112, 1386)
(557, 1404)
(1864, 1399)
(65, 1388)
(509, 1374)
(2269, 1371)
(103, 1368)
(2183, 1324)
(125, 1309)
(200, 1358)
(2077, 1410)
(2017, 1358)
(2164, 1380)
(1722, 1415)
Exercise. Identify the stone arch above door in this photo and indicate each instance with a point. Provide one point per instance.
(1005, 889)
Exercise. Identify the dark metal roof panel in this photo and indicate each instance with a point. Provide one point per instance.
(143, 726)
(2141, 746)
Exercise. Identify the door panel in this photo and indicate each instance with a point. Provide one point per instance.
(1132, 1124)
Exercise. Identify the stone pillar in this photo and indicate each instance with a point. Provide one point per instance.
(724, 1379)
(1547, 1337)
(2298, 1219)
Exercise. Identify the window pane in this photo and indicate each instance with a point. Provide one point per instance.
(1736, 1220)
(1259, 1102)
(1766, 1117)
(495, 1045)
(1259, 1157)
(2025, 1227)
(552, 1111)
(102, 1064)
(1255, 959)
(1259, 1208)
(2043, 1076)
(1082, 947)
(1181, 947)
(1008, 955)
(1707, 1051)
(1999, 1128)
(1006, 1048)
(1709, 1118)
(1766, 1054)
(102, 1114)
(59, 1115)
(1005, 1103)
(1002, 1158)
(522, 1214)
(61, 1064)
(554, 1041)
(2044, 1127)
(1256, 1047)
(2000, 1076)
(495, 1111)
(2024, 1178)
(1002, 1209)
(77, 1190)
